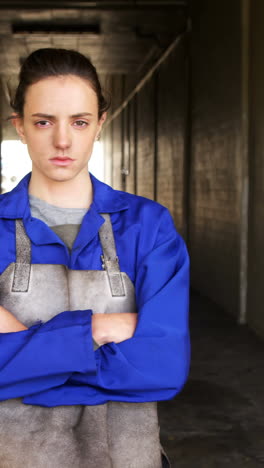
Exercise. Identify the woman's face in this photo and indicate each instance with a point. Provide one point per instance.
(59, 126)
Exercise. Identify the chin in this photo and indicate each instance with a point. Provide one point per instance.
(61, 178)
(62, 175)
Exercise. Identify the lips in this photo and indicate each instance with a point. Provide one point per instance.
(61, 161)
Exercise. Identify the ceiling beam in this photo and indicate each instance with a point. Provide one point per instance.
(86, 4)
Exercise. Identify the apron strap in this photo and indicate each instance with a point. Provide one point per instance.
(110, 258)
(23, 259)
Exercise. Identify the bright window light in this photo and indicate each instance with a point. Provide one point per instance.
(96, 163)
(16, 163)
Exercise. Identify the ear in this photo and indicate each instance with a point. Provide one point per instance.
(103, 118)
(18, 123)
(100, 124)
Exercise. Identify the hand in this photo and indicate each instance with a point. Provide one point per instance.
(115, 327)
(9, 323)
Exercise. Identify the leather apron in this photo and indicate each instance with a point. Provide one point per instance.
(112, 435)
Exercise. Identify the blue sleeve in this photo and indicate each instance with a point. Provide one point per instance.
(46, 355)
(153, 365)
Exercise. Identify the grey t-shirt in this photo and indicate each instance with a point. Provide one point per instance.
(65, 222)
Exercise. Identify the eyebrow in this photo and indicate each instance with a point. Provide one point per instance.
(48, 116)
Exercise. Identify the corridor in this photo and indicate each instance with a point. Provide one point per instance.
(218, 419)
(185, 128)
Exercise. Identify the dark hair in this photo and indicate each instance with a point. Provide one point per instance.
(47, 62)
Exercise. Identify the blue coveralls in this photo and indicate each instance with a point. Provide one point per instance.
(64, 369)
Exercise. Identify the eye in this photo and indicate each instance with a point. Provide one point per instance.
(42, 123)
(81, 123)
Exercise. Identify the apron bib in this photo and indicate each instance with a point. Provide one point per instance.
(112, 435)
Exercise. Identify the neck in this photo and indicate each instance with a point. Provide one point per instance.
(74, 193)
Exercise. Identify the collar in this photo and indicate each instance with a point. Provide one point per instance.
(106, 199)
(15, 204)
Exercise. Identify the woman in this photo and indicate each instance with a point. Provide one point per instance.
(94, 290)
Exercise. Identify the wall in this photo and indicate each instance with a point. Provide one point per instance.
(148, 146)
(256, 200)
(145, 174)
(171, 169)
(186, 152)
(200, 186)
(214, 230)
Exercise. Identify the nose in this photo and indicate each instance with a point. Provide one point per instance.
(62, 137)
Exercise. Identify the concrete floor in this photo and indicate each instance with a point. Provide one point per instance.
(218, 419)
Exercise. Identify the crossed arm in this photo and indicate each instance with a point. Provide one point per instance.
(143, 358)
(105, 327)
